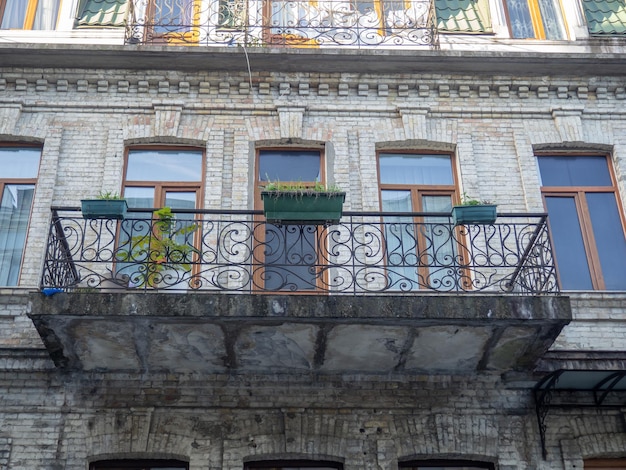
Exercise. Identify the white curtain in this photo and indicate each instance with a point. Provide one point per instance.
(14, 14)
(47, 14)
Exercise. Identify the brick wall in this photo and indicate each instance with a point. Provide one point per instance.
(86, 119)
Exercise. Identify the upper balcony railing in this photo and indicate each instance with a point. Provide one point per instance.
(301, 23)
(238, 251)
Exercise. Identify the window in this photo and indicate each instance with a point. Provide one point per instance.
(139, 465)
(288, 252)
(29, 14)
(156, 178)
(605, 464)
(446, 465)
(19, 167)
(424, 254)
(166, 20)
(586, 224)
(293, 465)
(538, 19)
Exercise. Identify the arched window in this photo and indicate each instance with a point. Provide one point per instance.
(152, 464)
(293, 465)
(446, 465)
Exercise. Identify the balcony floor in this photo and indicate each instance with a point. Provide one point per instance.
(206, 333)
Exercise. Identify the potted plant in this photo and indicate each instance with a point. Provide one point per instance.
(288, 203)
(166, 251)
(107, 205)
(473, 211)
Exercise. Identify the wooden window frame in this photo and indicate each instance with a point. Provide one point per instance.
(259, 228)
(584, 218)
(605, 464)
(418, 191)
(161, 188)
(21, 181)
(176, 37)
(29, 17)
(536, 20)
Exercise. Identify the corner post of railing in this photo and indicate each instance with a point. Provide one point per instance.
(541, 224)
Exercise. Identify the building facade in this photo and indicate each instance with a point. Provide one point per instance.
(392, 336)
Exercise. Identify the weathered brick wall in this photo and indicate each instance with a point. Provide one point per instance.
(86, 119)
(51, 421)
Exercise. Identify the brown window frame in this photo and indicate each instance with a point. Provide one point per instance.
(21, 181)
(259, 228)
(605, 464)
(584, 218)
(161, 188)
(419, 190)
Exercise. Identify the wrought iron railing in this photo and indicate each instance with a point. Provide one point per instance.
(303, 23)
(377, 253)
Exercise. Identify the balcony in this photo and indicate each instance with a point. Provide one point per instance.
(237, 251)
(275, 23)
(226, 292)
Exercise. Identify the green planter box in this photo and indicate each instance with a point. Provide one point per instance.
(287, 207)
(480, 214)
(104, 208)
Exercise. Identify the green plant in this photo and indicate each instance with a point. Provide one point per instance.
(300, 188)
(108, 195)
(167, 246)
(470, 201)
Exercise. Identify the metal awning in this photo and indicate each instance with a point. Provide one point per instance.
(578, 389)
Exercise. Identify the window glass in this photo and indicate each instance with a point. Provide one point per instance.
(609, 238)
(415, 169)
(418, 248)
(18, 172)
(289, 165)
(164, 165)
(585, 221)
(537, 19)
(19, 162)
(30, 14)
(574, 171)
(568, 243)
(289, 253)
(14, 216)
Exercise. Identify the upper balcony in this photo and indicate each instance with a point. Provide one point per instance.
(272, 23)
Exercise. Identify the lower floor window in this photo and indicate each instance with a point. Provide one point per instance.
(139, 465)
(293, 465)
(446, 465)
(605, 464)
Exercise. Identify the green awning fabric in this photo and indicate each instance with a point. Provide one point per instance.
(463, 16)
(103, 13)
(605, 16)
